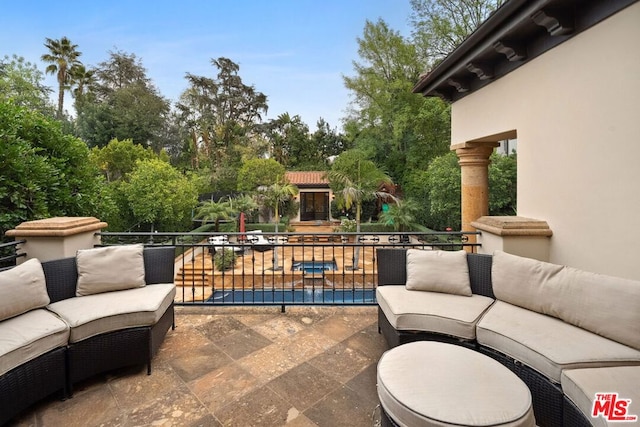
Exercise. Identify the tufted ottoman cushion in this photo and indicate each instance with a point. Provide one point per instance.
(429, 383)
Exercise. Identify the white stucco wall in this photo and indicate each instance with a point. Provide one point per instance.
(576, 111)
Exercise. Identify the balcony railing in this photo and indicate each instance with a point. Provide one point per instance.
(9, 253)
(284, 268)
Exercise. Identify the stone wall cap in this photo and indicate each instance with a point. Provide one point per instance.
(57, 227)
(512, 226)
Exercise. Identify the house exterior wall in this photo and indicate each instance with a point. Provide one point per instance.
(576, 112)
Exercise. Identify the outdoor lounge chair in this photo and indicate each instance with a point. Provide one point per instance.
(219, 243)
(258, 242)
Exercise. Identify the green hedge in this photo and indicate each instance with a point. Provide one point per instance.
(266, 227)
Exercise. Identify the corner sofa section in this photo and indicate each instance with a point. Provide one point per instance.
(563, 331)
(54, 332)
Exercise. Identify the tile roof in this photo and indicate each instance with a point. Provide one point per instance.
(303, 178)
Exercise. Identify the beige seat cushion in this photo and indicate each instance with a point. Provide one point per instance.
(547, 344)
(112, 268)
(438, 271)
(447, 314)
(581, 386)
(22, 288)
(606, 305)
(110, 311)
(25, 337)
(428, 383)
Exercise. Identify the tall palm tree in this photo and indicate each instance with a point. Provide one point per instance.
(62, 57)
(275, 195)
(357, 185)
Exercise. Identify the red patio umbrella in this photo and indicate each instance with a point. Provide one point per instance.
(242, 226)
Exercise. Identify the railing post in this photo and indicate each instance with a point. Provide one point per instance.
(516, 235)
(58, 237)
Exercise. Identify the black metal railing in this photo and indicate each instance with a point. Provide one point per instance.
(282, 268)
(9, 254)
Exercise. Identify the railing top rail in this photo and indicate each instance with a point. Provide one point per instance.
(291, 233)
(12, 243)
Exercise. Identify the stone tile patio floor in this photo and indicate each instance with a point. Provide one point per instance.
(239, 366)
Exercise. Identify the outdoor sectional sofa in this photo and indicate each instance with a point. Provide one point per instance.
(568, 334)
(66, 320)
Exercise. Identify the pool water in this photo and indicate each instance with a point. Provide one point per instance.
(295, 296)
(314, 266)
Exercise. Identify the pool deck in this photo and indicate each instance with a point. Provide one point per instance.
(240, 366)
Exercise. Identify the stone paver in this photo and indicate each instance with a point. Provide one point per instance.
(231, 366)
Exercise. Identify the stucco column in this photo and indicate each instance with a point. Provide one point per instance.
(474, 168)
(59, 237)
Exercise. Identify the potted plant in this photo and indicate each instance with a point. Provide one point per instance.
(224, 259)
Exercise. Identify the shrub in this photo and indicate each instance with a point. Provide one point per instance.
(224, 259)
(347, 225)
(265, 227)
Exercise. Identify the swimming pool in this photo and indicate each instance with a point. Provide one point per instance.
(294, 296)
(314, 266)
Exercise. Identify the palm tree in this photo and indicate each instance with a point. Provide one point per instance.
(84, 80)
(402, 216)
(211, 211)
(244, 203)
(62, 57)
(357, 184)
(275, 195)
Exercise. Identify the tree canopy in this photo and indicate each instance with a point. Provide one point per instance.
(256, 173)
(22, 83)
(439, 26)
(159, 196)
(400, 130)
(44, 172)
(121, 103)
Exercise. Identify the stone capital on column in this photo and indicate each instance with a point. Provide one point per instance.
(474, 154)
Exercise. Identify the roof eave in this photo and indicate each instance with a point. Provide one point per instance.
(515, 33)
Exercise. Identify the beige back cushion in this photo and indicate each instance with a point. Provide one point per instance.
(112, 268)
(438, 271)
(23, 288)
(606, 305)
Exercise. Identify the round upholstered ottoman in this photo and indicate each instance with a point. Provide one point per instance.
(429, 383)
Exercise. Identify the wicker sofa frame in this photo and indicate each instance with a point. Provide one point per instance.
(57, 370)
(551, 407)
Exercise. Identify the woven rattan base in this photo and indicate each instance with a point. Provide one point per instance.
(113, 350)
(572, 416)
(30, 382)
(106, 352)
(547, 397)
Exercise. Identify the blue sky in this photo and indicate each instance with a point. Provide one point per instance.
(294, 51)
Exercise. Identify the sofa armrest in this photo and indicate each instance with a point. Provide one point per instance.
(61, 276)
(392, 266)
(480, 274)
(159, 264)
